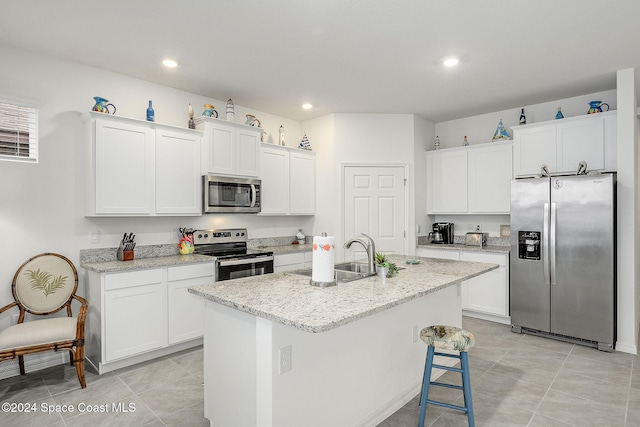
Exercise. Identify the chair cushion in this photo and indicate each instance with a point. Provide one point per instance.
(447, 337)
(38, 332)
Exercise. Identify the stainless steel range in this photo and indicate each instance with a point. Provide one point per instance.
(232, 258)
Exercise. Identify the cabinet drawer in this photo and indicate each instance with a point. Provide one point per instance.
(499, 259)
(288, 259)
(132, 278)
(438, 253)
(190, 272)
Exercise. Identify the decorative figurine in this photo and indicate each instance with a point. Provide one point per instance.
(465, 143)
(559, 114)
(304, 143)
(501, 133)
(102, 106)
(252, 120)
(523, 118)
(192, 124)
(185, 246)
(281, 136)
(437, 144)
(150, 113)
(210, 111)
(230, 112)
(596, 107)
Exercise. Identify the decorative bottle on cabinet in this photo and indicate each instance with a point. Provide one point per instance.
(523, 118)
(230, 110)
(150, 113)
(559, 114)
(465, 142)
(281, 136)
(437, 144)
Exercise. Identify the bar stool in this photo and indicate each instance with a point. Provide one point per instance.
(449, 338)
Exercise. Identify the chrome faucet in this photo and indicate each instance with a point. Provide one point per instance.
(368, 246)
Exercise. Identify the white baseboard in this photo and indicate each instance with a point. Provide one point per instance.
(33, 362)
(626, 347)
(485, 316)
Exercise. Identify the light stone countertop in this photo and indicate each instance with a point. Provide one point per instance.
(142, 263)
(289, 299)
(463, 247)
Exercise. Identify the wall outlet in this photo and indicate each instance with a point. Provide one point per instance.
(94, 236)
(284, 355)
(505, 231)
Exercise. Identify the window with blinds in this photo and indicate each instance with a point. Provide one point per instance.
(18, 133)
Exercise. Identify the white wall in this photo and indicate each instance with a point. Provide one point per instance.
(480, 129)
(41, 205)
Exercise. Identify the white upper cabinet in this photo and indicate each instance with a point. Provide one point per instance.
(562, 144)
(490, 178)
(447, 181)
(178, 183)
(470, 180)
(141, 168)
(288, 178)
(229, 148)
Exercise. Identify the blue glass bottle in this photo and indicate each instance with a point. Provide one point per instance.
(559, 114)
(150, 113)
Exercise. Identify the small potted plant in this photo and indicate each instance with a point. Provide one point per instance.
(384, 268)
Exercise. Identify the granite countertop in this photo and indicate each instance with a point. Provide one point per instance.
(289, 299)
(142, 263)
(463, 247)
(282, 249)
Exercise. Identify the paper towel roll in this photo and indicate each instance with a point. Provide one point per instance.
(323, 259)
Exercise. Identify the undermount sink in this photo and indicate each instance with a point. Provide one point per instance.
(343, 272)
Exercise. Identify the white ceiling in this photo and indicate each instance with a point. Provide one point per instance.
(365, 56)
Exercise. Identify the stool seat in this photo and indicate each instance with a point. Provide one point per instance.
(447, 337)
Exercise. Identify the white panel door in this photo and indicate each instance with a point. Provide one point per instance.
(247, 145)
(447, 181)
(374, 201)
(218, 153)
(490, 179)
(532, 148)
(274, 173)
(580, 140)
(302, 185)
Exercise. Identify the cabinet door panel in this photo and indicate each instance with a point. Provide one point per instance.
(135, 320)
(533, 148)
(302, 171)
(580, 140)
(124, 168)
(490, 179)
(274, 173)
(447, 182)
(489, 292)
(247, 152)
(220, 156)
(178, 182)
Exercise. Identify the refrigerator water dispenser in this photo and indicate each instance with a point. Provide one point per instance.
(529, 245)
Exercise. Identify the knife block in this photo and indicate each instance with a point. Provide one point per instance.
(124, 255)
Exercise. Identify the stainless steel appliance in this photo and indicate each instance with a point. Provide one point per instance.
(224, 194)
(442, 233)
(232, 258)
(563, 258)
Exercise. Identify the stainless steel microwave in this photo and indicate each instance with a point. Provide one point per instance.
(223, 194)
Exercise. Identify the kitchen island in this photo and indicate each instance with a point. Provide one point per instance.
(281, 352)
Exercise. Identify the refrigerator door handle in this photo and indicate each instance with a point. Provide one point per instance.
(545, 243)
(552, 243)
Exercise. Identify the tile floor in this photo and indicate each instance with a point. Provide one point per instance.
(517, 380)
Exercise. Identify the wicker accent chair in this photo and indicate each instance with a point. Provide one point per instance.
(44, 285)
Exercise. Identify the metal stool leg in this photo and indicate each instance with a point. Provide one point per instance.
(466, 383)
(426, 381)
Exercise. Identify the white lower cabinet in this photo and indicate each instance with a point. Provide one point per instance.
(293, 261)
(135, 313)
(142, 314)
(486, 296)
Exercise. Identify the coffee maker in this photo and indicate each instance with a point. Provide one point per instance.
(442, 233)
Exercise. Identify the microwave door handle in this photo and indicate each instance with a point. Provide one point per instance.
(545, 243)
(253, 195)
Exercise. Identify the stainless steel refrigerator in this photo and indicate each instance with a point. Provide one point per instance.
(563, 258)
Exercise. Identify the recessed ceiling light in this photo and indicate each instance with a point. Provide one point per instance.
(307, 106)
(169, 63)
(450, 62)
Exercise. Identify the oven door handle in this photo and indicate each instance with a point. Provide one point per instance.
(245, 261)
